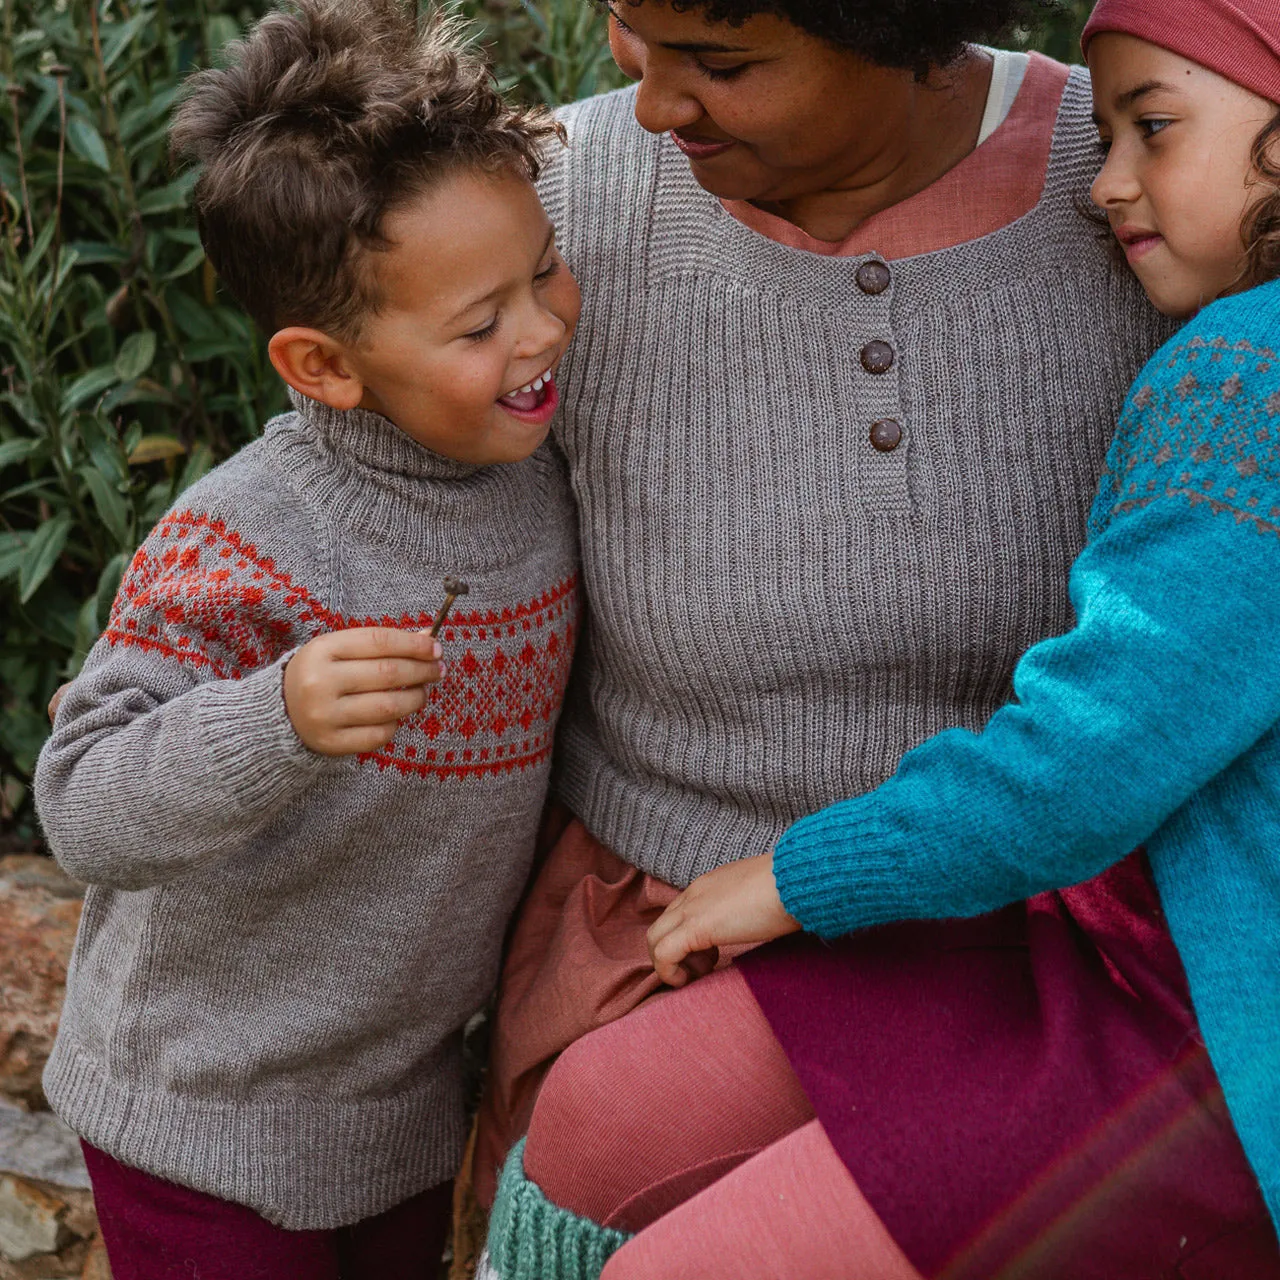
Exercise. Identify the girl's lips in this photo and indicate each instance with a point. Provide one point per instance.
(1139, 246)
(541, 406)
(699, 150)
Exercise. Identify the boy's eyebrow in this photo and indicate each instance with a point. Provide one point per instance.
(694, 46)
(493, 293)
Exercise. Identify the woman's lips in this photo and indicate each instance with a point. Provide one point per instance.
(697, 149)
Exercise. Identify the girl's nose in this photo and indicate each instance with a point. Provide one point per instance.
(1116, 183)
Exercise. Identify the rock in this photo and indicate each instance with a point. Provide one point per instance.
(96, 1266)
(39, 912)
(30, 1220)
(38, 1145)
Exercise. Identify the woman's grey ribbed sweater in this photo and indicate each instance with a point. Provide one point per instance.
(778, 609)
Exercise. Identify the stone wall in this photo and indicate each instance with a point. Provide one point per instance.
(48, 1230)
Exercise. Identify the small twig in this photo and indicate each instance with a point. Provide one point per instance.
(453, 588)
(15, 91)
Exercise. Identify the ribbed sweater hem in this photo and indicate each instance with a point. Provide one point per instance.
(304, 1164)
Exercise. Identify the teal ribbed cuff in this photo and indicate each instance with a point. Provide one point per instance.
(532, 1239)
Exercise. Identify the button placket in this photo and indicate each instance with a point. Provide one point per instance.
(881, 438)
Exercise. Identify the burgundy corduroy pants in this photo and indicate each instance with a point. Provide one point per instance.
(155, 1230)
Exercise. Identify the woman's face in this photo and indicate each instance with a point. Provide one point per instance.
(763, 111)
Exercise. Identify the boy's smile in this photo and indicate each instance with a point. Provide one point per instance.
(477, 308)
(1175, 183)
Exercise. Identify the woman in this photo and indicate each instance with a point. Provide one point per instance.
(847, 370)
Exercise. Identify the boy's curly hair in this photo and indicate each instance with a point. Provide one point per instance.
(913, 35)
(327, 116)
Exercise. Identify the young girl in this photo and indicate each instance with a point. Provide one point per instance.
(1024, 1092)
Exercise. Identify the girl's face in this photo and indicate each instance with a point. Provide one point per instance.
(763, 111)
(1176, 182)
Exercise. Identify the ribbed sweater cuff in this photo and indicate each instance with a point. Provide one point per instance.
(530, 1238)
(842, 869)
(249, 741)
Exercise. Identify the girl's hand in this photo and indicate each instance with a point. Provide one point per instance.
(733, 904)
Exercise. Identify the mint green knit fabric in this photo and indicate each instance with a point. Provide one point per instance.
(532, 1239)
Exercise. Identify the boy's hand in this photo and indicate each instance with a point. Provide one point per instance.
(347, 691)
(732, 904)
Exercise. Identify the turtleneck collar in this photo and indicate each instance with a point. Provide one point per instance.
(369, 442)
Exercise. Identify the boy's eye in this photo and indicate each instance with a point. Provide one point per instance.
(613, 13)
(479, 335)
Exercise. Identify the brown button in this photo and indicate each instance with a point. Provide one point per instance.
(872, 277)
(886, 435)
(876, 357)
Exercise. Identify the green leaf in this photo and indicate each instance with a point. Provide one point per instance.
(136, 354)
(118, 37)
(109, 583)
(43, 549)
(155, 449)
(18, 451)
(111, 506)
(88, 385)
(90, 252)
(87, 143)
(168, 198)
(12, 549)
(220, 30)
(190, 261)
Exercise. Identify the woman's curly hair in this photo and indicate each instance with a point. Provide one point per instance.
(914, 35)
(327, 116)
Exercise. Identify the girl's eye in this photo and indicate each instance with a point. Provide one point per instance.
(479, 335)
(549, 270)
(722, 73)
(1151, 127)
(1103, 145)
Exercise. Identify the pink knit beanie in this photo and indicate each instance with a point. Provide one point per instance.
(1239, 39)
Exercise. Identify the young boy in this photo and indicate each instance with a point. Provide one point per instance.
(303, 835)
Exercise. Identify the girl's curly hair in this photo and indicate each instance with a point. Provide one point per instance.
(327, 116)
(1261, 229)
(914, 35)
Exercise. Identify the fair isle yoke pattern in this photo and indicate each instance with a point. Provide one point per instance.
(279, 950)
(1203, 422)
(210, 599)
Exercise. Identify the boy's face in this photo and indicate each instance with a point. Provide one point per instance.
(1177, 179)
(476, 305)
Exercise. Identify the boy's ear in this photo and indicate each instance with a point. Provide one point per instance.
(317, 365)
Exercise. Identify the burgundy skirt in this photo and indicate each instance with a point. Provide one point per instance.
(1025, 1095)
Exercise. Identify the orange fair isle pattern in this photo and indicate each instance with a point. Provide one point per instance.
(210, 600)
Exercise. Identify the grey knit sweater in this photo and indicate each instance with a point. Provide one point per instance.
(778, 608)
(279, 951)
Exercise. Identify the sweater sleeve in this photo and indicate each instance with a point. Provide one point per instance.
(1171, 672)
(172, 747)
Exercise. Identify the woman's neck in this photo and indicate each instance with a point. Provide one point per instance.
(940, 128)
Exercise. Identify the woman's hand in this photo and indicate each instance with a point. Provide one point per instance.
(736, 903)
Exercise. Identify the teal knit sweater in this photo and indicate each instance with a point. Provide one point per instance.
(1155, 720)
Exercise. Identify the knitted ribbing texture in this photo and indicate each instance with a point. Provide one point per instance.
(278, 950)
(780, 610)
(532, 1239)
